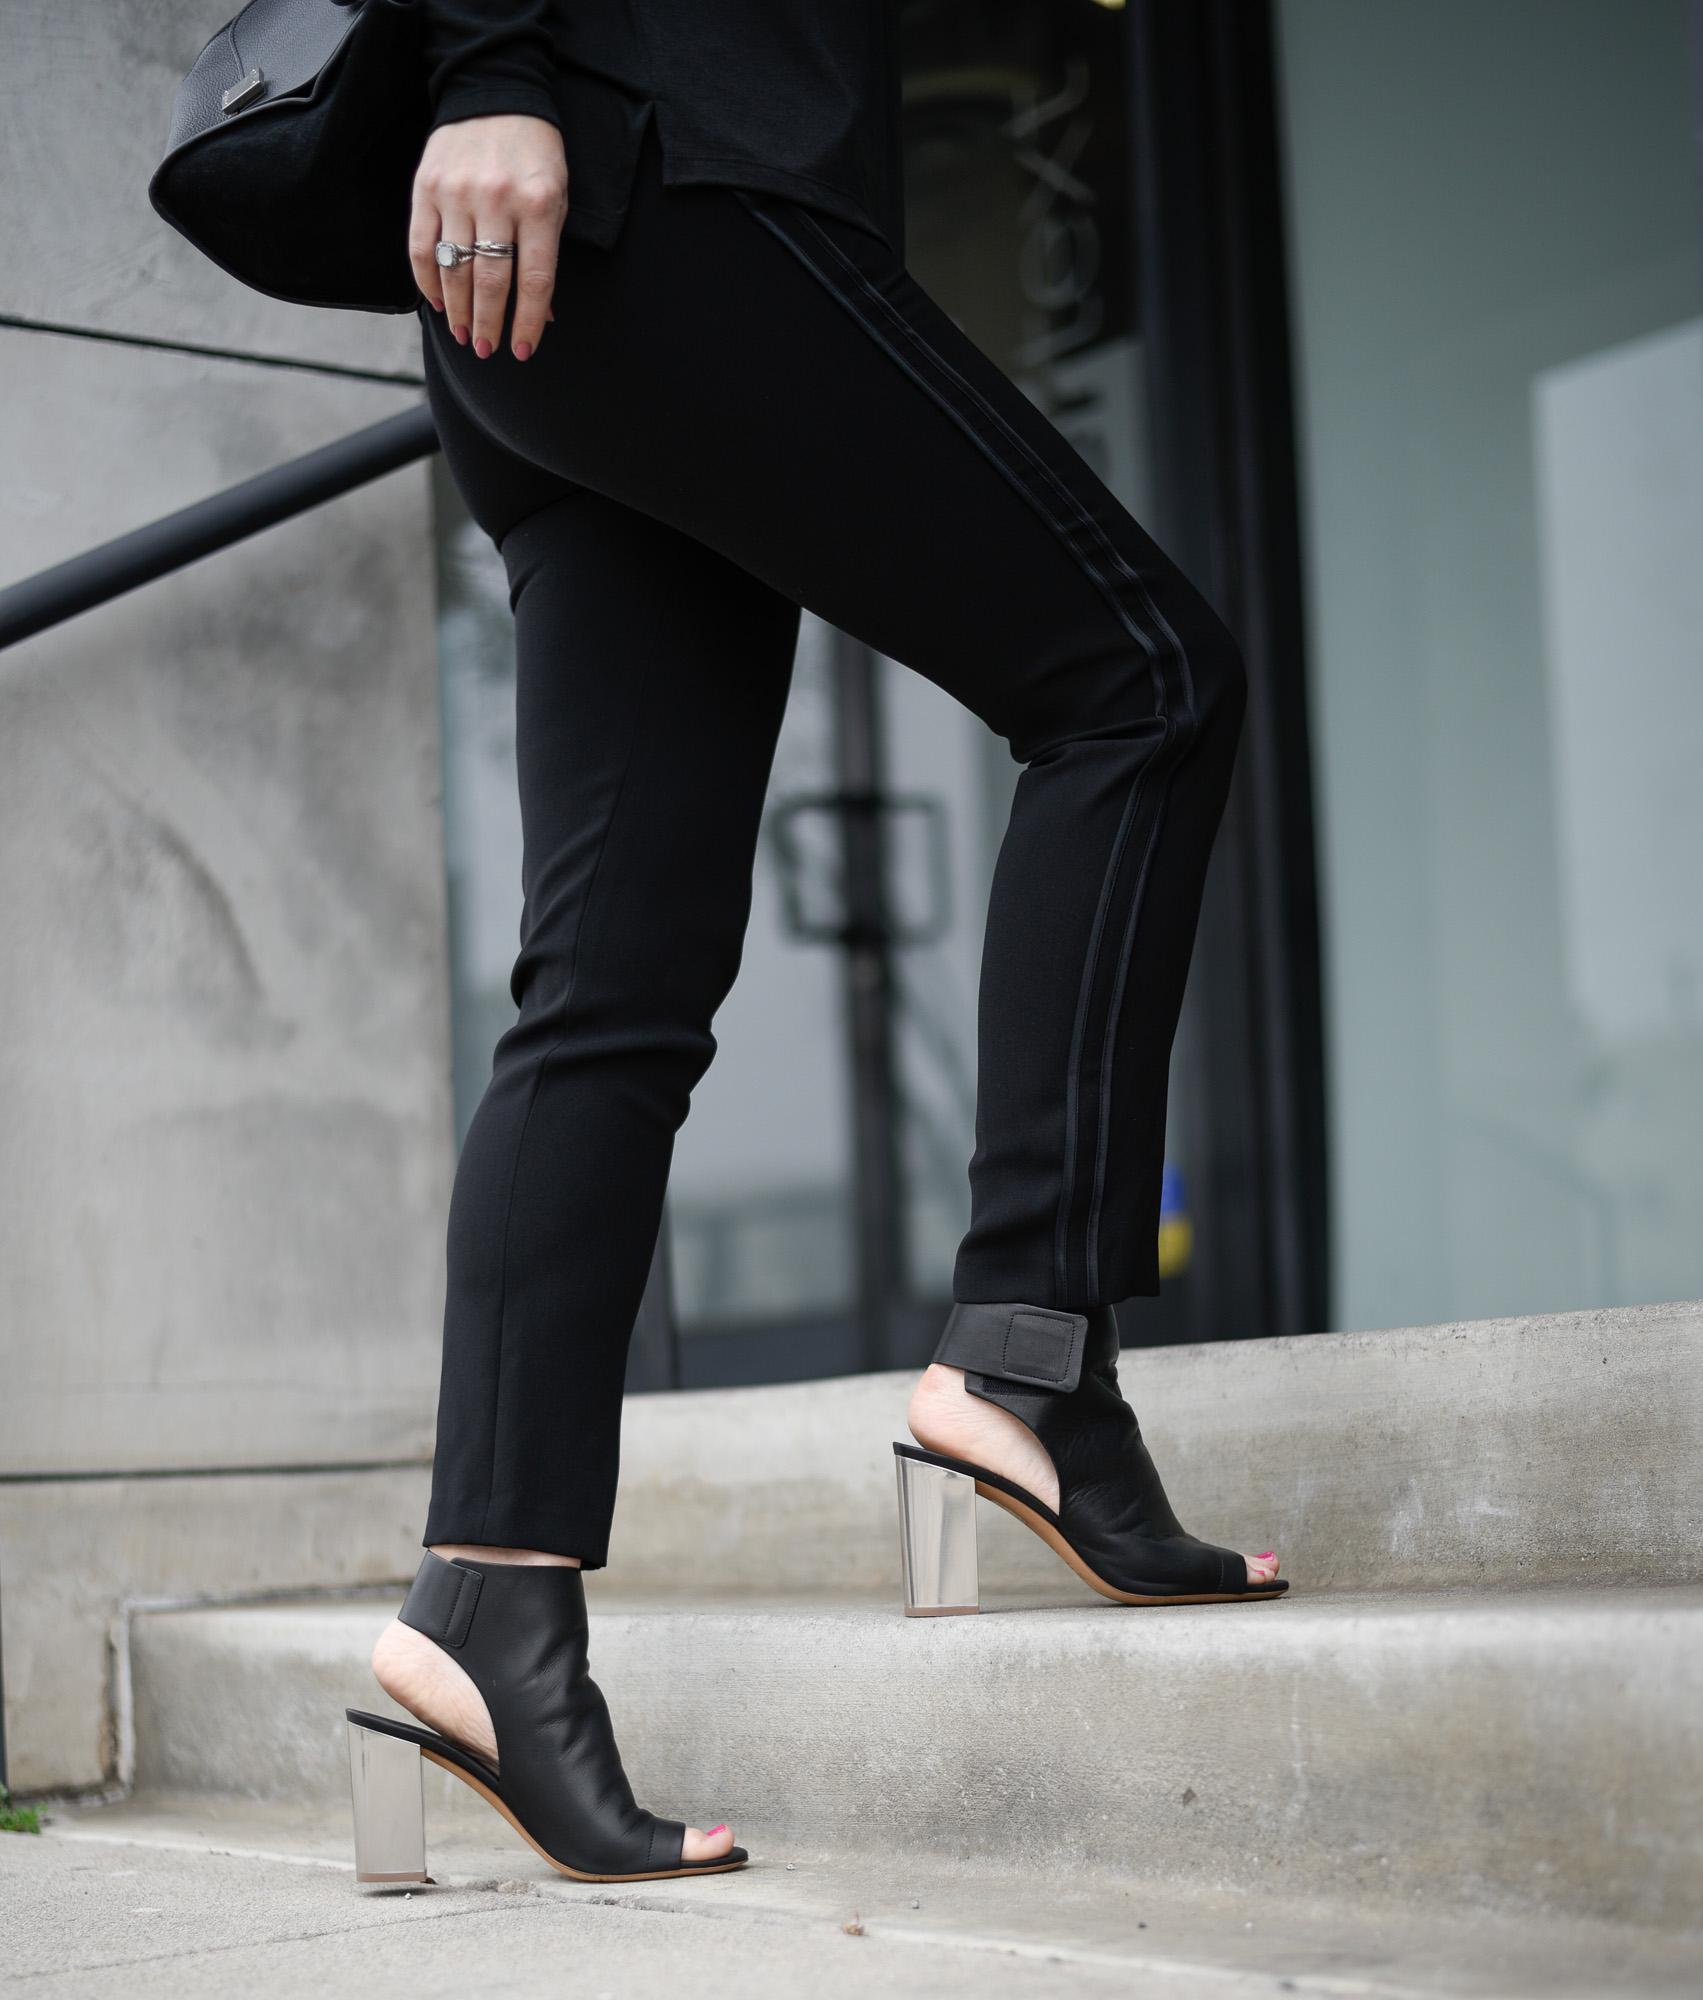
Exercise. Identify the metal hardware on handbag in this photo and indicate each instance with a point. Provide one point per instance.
(292, 151)
(243, 93)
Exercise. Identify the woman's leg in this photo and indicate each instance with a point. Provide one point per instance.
(652, 676)
(651, 679)
(776, 387)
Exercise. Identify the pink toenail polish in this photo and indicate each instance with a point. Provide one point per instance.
(714, 1830)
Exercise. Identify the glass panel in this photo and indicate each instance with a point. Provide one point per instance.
(760, 1192)
(1496, 275)
(1620, 511)
(937, 751)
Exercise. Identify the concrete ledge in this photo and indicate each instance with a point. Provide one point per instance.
(74, 1553)
(1560, 1449)
(1535, 1752)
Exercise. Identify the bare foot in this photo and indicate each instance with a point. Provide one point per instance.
(945, 1417)
(436, 1690)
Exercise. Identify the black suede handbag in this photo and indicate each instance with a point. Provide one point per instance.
(293, 145)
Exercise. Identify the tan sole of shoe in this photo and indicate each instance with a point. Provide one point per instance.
(1060, 1547)
(561, 1867)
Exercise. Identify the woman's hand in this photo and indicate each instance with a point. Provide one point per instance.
(502, 180)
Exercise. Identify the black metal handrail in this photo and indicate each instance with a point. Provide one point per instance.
(53, 595)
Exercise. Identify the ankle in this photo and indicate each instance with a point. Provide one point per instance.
(522, 1558)
(946, 1418)
(434, 1688)
(938, 1383)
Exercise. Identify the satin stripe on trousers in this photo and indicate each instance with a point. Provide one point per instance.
(861, 277)
(740, 409)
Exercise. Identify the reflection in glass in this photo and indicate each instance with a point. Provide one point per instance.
(1619, 438)
(1495, 264)
(760, 1191)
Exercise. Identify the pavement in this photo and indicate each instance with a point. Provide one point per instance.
(190, 1896)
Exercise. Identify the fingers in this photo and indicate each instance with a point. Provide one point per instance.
(458, 279)
(490, 283)
(528, 210)
(500, 179)
(537, 240)
(424, 229)
(443, 212)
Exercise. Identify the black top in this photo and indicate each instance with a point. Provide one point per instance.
(792, 97)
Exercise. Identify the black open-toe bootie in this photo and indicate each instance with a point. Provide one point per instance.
(1058, 1373)
(519, 1630)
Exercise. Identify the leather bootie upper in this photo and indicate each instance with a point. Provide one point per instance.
(520, 1632)
(1058, 1373)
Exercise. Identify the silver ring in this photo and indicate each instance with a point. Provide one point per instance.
(484, 247)
(449, 255)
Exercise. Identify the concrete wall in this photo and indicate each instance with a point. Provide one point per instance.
(86, 88)
(225, 1138)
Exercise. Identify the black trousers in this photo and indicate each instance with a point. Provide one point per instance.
(740, 409)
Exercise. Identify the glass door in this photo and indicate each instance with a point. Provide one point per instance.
(1497, 275)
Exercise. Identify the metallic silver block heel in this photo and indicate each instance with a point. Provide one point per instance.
(937, 1538)
(390, 1808)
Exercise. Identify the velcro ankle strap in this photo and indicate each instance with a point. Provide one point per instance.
(1033, 1345)
(441, 1601)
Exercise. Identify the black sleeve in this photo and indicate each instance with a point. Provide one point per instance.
(489, 56)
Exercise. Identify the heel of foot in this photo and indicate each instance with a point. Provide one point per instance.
(437, 1691)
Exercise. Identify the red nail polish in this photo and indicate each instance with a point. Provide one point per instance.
(523, 350)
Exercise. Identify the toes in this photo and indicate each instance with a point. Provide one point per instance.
(1261, 1568)
(709, 1846)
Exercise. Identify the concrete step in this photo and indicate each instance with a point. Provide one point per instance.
(1535, 1451)
(1551, 1450)
(1530, 1753)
